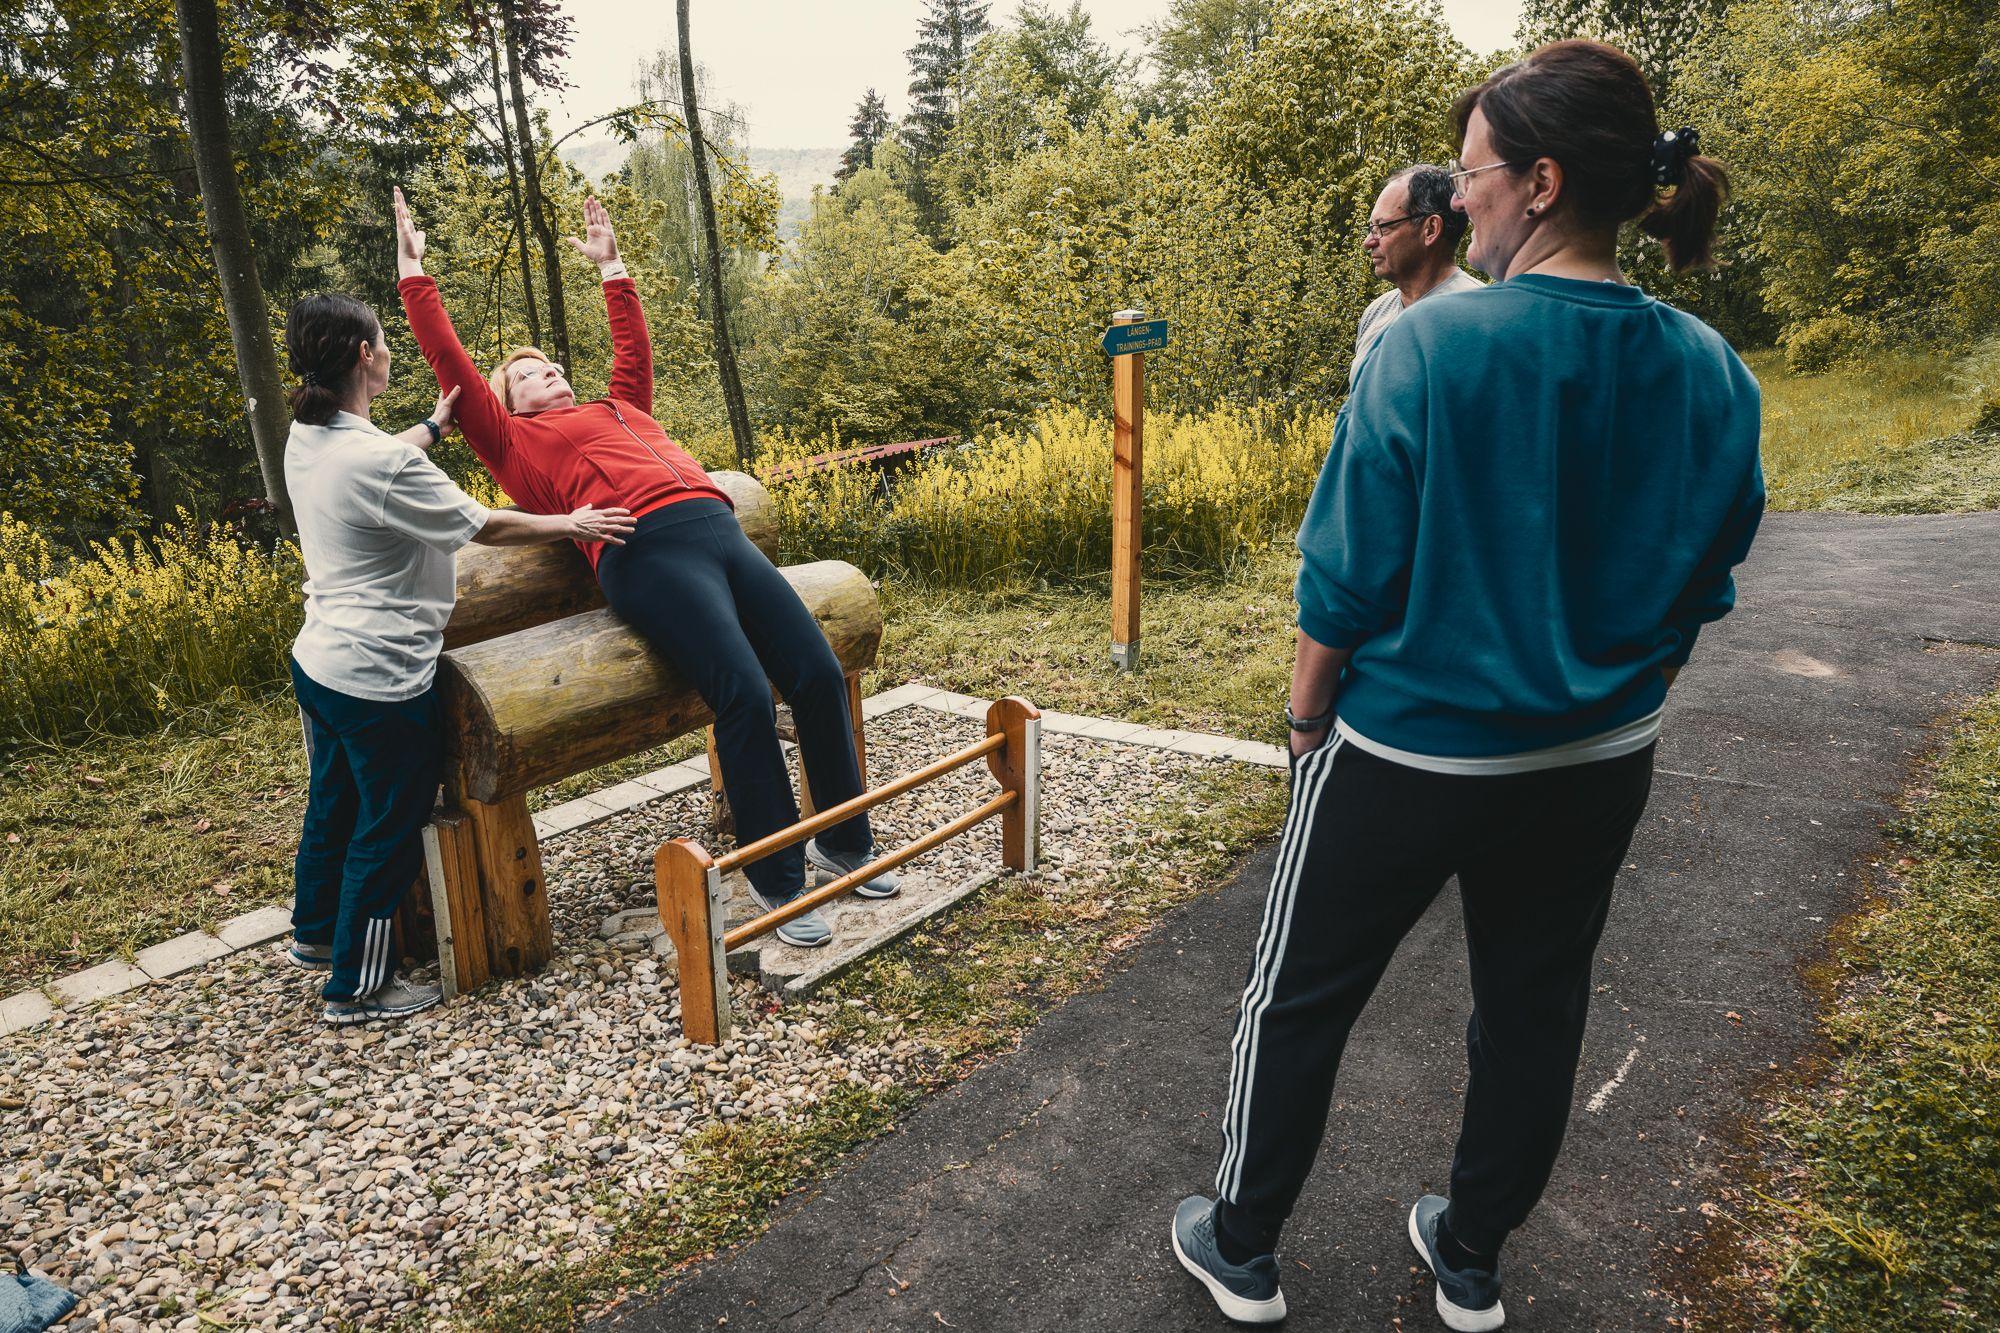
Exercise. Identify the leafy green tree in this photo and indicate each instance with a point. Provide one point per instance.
(863, 329)
(1659, 34)
(868, 128)
(1195, 45)
(1864, 142)
(1028, 85)
(946, 36)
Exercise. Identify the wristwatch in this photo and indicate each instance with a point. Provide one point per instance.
(436, 434)
(1307, 724)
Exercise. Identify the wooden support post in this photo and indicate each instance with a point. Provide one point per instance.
(451, 865)
(519, 939)
(690, 894)
(1018, 768)
(721, 820)
(854, 717)
(1128, 409)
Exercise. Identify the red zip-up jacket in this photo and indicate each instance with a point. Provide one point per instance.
(609, 453)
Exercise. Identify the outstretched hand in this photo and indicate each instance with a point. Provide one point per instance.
(409, 241)
(599, 246)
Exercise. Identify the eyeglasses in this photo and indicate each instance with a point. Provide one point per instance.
(1458, 171)
(1375, 230)
(550, 369)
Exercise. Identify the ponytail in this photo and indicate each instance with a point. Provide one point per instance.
(323, 337)
(1587, 105)
(1684, 221)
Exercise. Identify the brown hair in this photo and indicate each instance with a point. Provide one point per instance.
(503, 384)
(323, 337)
(1587, 106)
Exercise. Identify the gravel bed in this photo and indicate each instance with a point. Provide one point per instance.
(206, 1147)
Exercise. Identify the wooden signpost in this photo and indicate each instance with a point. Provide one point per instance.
(1126, 342)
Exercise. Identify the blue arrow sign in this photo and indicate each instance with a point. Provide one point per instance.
(1125, 339)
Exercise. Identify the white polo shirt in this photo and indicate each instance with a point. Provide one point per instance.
(1387, 308)
(378, 523)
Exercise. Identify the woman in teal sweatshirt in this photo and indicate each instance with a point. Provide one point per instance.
(1533, 502)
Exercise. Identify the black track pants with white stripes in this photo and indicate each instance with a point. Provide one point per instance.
(375, 773)
(1367, 845)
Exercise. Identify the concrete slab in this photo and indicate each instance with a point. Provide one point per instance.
(254, 928)
(96, 983)
(1158, 738)
(569, 816)
(860, 926)
(1204, 744)
(1257, 752)
(1110, 729)
(183, 953)
(624, 796)
(1063, 724)
(23, 1011)
(671, 780)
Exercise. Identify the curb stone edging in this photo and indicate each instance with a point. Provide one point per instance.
(259, 926)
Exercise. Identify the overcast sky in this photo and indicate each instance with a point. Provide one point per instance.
(797, 67)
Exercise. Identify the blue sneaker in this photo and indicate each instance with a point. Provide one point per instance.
(807, 930)
(1247, 1293)
(1468, 1299)
(832, 865)
(314, 957)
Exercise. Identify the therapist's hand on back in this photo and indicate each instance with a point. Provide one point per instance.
(591, 524)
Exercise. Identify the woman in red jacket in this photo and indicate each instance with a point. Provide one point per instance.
(686, 579)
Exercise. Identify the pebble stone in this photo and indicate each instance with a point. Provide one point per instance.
(204, 1152)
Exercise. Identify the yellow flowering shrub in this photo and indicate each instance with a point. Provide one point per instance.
(1012, 506)
(122, 639)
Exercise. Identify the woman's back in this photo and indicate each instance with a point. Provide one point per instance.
(1535, 496)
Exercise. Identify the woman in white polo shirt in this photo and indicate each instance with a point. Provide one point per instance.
(378, 523)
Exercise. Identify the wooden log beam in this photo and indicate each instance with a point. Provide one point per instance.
(544, 703)
(503, 589)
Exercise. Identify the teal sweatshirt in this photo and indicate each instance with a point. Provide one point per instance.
(1534, 499)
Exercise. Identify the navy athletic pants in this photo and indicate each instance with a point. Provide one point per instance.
(708, 601)
(375, 773)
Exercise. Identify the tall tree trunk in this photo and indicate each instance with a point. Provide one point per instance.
(514, 192)
(531, 177)
(229, 237)
(725, 349)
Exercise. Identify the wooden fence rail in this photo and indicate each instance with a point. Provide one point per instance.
(689, 880)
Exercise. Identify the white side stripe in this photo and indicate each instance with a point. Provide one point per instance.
(1310, 782)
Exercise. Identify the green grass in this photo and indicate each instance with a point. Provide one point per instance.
(1952, 474)
(1881, 1208)
(1825, 434)
(115, 844)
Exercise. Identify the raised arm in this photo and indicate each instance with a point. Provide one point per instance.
(485, 422)
(631, 345)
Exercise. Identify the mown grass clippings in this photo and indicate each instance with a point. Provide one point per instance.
(1954, 474)
(1882, 1169)
(1823, 433)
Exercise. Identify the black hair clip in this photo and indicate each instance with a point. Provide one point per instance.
(310, 379)
(1671, 152)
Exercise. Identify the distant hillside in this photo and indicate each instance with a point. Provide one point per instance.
(797, 170)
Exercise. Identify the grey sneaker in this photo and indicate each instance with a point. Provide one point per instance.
(1468, 1299)
(395, 998)
(1247, 1293)
(315, 957)
(808, 930)
(832, 865)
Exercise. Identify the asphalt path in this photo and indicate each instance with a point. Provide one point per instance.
(1037, 1193)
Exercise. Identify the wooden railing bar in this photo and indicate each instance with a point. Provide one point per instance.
(846, 810)
(805, 902)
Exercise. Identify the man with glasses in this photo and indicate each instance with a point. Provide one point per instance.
(1412, 240)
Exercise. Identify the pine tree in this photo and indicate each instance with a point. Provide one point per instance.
(945, 38)
(868, 128)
